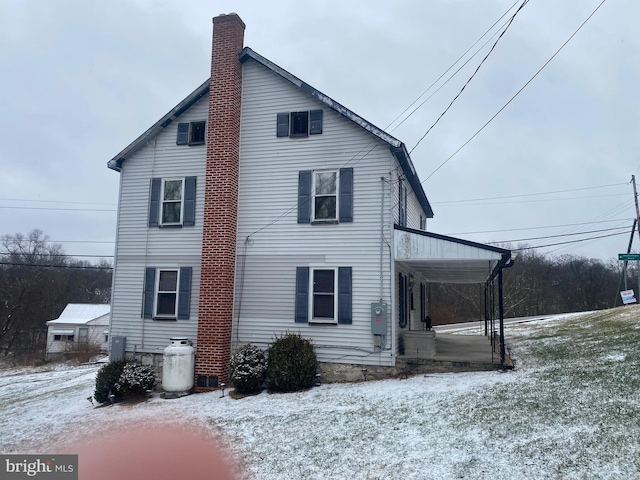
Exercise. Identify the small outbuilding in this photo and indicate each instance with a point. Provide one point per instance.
(80, 326)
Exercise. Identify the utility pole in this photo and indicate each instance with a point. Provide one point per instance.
(635, 198)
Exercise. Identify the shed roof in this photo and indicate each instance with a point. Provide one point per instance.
(443, 259)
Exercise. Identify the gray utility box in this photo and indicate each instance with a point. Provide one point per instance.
(118, 345)
(379, 318)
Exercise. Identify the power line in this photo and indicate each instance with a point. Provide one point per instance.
(530, 194)
(471, 77)
(515, 95)
(537, 228)
(559, 235)
(567, 242)
(64, 209)
(91, 267)
(533, 201)
(447, 70)
(55, 201)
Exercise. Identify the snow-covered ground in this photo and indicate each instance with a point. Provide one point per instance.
(570, 410)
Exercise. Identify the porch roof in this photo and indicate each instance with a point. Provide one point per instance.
(443, 259)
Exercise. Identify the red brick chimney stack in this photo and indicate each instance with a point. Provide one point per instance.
(220, 204)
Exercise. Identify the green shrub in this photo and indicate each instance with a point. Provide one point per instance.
(291, 363)
(136, 379)
(248, 368)
(106, 380)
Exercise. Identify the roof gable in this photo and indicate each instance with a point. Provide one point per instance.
(398, 149)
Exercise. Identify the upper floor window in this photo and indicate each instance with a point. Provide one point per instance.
(191, 133)
(325, 196)
(172, 202)
(299, 124)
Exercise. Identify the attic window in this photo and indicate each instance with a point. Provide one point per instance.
(299, 124)
(191, 133)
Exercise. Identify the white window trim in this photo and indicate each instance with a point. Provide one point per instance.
(157, 291)
(330, 321)
(313, 192)
(163, 201)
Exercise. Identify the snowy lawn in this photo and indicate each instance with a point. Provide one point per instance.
(570, 410)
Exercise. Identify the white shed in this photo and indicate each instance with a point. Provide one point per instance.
(79, 324)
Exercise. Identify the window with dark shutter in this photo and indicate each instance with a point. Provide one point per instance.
(315, 122)
(304, 196)
(302, 295)
(184, 293)
(299, 124)
(282, 129)
(196, 133)
(344, 296)
(346, 195)
(172, 202)
(183, 134)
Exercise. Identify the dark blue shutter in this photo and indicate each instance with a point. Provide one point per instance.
(302, 295)
(149, 292)
(315, 122)
(346, 195)
(189, 217)
(423, 302)
(184, 293)
(344, 295)
(283, 125)
(183, 134)
(154, 201)
(304, 196)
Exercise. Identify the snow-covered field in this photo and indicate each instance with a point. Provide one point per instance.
(570, 410)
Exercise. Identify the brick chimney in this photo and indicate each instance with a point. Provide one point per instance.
(220, 204)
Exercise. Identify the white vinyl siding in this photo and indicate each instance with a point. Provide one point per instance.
(266, 263)
(138, 246)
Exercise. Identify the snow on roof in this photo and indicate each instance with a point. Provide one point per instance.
(81, 313)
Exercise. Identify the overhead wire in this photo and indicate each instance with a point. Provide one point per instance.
(515, 95)
(471, 77)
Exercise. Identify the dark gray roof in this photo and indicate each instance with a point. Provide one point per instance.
(398, 149)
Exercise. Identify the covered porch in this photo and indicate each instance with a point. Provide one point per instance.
(434, 258)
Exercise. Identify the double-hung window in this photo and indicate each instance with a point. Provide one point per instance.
(325, 195)
(172, 197)
(323, 298)
(299, 124)
(167, 293)
(172, 202)
(323, 295)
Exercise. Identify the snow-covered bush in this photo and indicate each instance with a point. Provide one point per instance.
(106, 381)
(291, 364)
(136, 379)
(248, 368)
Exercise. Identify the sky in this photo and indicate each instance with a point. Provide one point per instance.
(81, 80)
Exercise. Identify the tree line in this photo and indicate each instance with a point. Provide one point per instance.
(538, 285)
(37, 280)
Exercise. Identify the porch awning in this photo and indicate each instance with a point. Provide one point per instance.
(442, 259)
(62, 331)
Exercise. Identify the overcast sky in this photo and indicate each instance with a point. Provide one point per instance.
(81, 80)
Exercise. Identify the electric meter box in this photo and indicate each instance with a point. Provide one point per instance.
(379, 318)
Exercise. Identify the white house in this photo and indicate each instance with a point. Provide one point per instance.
(79, 323)
(258, 206)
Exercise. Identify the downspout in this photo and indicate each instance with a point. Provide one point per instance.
(382, 239)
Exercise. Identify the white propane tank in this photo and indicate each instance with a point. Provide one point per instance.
(178, 366)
